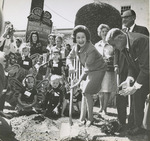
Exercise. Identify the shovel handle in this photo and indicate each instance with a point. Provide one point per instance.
(70, 105)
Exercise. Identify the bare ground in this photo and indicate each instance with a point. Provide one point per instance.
(37, 128)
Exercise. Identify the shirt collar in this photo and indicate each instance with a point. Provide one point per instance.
(102, 43)
(131, 28)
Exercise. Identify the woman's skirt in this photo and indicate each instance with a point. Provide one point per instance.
(92, 84)
(109, 83)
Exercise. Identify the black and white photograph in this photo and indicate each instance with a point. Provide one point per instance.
(74, 70)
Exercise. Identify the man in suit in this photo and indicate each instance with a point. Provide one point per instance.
(128, 24)
(135, 48)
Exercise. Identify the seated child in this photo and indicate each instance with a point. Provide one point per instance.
(25, 61)
(56, 66)
(54, 97)
(27, 99)
(77, 97)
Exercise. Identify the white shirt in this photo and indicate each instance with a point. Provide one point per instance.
(105, 49)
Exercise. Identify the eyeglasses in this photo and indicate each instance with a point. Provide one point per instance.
(127, 16)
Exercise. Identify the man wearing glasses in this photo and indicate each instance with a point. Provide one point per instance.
(128, 23)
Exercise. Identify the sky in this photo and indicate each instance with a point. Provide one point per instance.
(63, 12)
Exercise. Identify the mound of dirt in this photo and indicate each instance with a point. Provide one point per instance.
(39, 128)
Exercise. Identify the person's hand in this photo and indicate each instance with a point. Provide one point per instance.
(55, 111)
(116, 69)
(67, 86)
(125, 84)
(75, 85)
(127, 91)
(72, 70)
(8, 31)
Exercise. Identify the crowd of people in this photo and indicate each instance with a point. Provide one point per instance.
(34, 79)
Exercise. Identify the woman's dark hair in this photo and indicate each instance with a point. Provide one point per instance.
(81, 28)
(25, 79)
(31, 34)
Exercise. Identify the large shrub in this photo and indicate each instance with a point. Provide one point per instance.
(94, 14)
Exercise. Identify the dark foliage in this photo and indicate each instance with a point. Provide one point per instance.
(94, 14)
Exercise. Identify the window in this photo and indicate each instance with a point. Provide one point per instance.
(124, 8)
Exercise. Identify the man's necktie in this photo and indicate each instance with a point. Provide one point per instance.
(128, 29)
(129, 58)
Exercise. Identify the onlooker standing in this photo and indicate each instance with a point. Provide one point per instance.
(18, 45)
(109, 82)
(34, 43)
(94, 70)
(128, 23)
(7, 39)
(68, 49)
(51, 44)
(59, 41)
(135, 48)
(51, 41)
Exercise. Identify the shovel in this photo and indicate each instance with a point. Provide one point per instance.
(65, 129)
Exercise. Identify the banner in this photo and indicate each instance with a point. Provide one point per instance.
(39, 21)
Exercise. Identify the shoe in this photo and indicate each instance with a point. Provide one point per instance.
(89, 123)
(136, 131)
(122, 128)
(81, 123)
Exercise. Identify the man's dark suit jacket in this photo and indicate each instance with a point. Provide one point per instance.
(119, 57)
(141, 29)
(139, 51)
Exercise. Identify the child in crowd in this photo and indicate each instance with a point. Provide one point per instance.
(27, 98)
(68, 49)
(18, 44)
(26, 62)
(11, 59)
(55, 65)
(54, 97)
(77, 97)
(18, 47)
(59, 41)
(41, 67)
